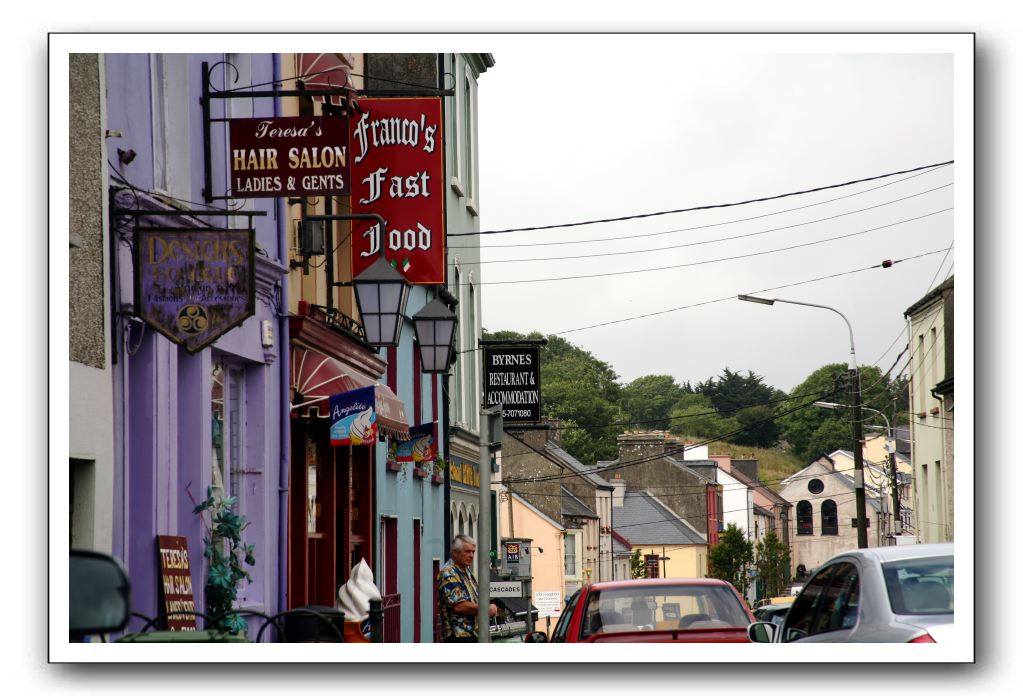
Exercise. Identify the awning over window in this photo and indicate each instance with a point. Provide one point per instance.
(315, 377)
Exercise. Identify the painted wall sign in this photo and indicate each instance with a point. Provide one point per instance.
(420, 447)
(398, 173)
(176, 581)
(511, 378)
(193, 286)
(353, 418)
(289, 156)
(464, 472)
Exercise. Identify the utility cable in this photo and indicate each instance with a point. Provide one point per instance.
(703, 207)
(707, 261)
(697, 227)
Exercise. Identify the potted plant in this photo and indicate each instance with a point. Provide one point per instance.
(225, 551)
(438, 469)
(392, 457)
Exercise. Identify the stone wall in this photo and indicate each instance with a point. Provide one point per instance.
(676, 486)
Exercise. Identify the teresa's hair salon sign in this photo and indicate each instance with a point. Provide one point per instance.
(193, 286)
(289, 156)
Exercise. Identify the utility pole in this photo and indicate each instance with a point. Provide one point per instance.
(491, 425)
(897, 515)
(861, 499)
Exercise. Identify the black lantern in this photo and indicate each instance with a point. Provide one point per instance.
(435, 332)
(381, 292)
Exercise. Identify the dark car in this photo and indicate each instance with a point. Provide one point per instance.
(772, 613)
(664, 610)
(892, 594)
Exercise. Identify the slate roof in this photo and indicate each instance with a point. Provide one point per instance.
(618, 548)
(645, 520)
(572, 506)
(588, 472)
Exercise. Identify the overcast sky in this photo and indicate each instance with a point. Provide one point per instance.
(581, 128)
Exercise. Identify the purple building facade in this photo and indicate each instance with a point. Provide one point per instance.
(217, 417)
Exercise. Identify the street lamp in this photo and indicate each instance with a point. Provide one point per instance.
(890, 447)
(861, 499)
(435, 331)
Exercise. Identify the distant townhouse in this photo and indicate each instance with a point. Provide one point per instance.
(931, 403)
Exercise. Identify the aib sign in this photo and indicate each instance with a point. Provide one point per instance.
(193, 286)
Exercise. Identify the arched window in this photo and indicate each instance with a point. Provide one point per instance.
(829, 517)
(804, 517)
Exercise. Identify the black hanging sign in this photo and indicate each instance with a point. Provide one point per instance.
(511, 378)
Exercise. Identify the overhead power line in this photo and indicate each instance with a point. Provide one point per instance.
(707, 241)
(707, 261)
(702, 207)
(619, 238)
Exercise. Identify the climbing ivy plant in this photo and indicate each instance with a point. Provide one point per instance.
(225, 551)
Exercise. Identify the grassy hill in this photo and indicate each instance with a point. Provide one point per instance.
(773, 466)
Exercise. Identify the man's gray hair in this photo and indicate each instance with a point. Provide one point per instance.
(461, 540)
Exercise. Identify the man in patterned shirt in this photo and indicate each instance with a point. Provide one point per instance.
(459, 594)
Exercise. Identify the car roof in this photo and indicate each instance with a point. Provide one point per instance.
(886, 554)
(655, 582)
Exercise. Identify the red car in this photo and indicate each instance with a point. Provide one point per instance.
(667, 610)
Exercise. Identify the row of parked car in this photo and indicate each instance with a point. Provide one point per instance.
(893, 594)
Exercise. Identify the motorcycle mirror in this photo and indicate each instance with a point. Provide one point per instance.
(100, 600)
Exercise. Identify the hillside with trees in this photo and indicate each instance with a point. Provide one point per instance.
(736, 412)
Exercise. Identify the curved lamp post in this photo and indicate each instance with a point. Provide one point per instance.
(861, 499)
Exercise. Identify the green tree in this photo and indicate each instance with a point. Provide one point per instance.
(731, 558)
(760, 428)
(773, 558)
(733, 391)
(649, 400)
(812, 431)
(693, 415)
(637, 565)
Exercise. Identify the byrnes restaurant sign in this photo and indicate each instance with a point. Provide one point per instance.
(511, 378)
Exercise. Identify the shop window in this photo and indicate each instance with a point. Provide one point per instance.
(571, 554)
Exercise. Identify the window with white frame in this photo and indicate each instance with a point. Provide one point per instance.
(170, 103)
(458, 170)
(227, 475)
(469, 118)
(573, 545)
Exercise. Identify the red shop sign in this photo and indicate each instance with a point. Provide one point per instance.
(398, 173)
(289, 156)
(176, 582)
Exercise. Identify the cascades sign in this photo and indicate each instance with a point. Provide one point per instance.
(511, 378)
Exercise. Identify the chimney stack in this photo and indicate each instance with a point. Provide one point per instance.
(618, 492)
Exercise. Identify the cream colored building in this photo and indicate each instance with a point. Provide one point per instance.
(931, 334)
(824, 504)
(518, 518)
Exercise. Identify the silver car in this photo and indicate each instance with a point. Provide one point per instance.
(891, 594)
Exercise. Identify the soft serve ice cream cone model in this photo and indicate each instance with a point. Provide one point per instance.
(364, 428)
(353, 599)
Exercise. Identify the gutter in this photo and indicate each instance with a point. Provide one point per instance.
(285, 410)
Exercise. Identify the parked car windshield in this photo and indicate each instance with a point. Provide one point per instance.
(663, 607)
(921, 585)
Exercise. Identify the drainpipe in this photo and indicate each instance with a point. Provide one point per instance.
(284, 359)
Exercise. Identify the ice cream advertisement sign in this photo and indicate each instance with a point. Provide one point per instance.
(420, 447)
(353, 418)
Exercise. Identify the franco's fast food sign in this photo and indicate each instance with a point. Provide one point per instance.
(289, 156)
